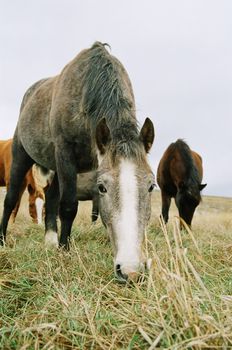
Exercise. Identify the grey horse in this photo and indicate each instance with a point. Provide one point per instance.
(80, 120)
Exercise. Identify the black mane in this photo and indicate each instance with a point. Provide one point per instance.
(104, 94)
(107, 93)
(190, 167)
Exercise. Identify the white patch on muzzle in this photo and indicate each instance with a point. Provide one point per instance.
(126, 227)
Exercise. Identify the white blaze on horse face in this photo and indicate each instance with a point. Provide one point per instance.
(126, 223)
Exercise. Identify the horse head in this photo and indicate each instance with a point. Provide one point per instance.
(125, 182)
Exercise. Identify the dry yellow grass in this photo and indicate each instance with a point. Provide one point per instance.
(54, 300)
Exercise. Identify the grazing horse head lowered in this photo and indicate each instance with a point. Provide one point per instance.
(83, 119)
(125, 182)
(179, 175)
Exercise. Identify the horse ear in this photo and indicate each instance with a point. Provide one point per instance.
(147, 134)
(102, 136)
(201, 186)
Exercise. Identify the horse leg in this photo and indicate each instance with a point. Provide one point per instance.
(67, 176)
(39, 206)
(32, 206)
(67, 210)
(166, 201)
(20, 165)
(95, 209)
(15, 210)
(51, 212)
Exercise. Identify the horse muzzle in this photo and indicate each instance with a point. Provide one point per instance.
(129, 272)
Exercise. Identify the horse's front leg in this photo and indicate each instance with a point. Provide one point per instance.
(51, 212)
(16, 208)
(166, 201)
(67, 176)
(32, 206)
(67, 209)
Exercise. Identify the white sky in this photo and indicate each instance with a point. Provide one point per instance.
(178, 55)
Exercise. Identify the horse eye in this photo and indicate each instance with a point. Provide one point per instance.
(102, 189)
(151, 188)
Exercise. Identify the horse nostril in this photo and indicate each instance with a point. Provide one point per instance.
(119, 273)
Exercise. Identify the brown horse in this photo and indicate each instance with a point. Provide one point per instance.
(179, 175)
(33, 190)
(83, 119)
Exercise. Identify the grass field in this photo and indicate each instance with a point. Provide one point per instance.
(54, 300)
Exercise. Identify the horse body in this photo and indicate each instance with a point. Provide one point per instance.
(82, 119)
(179, 176)
(55, 105)
(35, 113)
(34, 191)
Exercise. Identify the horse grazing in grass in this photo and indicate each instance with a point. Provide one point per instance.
(82, 119)
(34, 191)
(179, 175)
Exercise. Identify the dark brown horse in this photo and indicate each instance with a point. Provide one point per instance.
(179, 175)
(34, 191)
(81, 119)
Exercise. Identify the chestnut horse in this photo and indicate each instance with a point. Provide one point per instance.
(34, 191)
(179, 175)
(83, 119)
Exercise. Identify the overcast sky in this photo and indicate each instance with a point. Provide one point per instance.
(178, 55)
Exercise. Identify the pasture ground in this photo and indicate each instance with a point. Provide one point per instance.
(55, 300)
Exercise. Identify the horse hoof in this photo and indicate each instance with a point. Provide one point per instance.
(51, 239)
